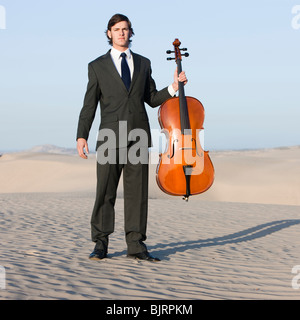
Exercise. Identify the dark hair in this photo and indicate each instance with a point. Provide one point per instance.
(114, 20)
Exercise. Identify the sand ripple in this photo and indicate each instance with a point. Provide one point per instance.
(209, 250)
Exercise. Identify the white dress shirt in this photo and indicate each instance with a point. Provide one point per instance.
(116, 57)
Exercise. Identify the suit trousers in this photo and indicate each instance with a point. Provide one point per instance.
(135, 184)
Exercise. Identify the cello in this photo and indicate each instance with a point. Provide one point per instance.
(184, 169)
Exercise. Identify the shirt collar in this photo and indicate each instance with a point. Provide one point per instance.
(116, 53)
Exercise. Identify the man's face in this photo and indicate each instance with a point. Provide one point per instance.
(120, 35)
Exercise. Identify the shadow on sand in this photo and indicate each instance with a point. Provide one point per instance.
(260, 231)
(163, 251)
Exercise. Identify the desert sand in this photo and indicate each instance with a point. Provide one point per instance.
(238, 240)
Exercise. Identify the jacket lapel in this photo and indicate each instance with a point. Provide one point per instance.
(113, 70)
(137, 67)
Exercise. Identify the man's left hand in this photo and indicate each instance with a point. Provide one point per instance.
(181, 78)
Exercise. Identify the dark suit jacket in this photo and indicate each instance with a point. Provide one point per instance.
(116, 103)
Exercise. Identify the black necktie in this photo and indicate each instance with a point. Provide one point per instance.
(125, 71)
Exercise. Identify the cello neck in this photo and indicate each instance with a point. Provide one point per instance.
(184, 115)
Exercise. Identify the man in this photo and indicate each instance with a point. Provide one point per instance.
(122, 83)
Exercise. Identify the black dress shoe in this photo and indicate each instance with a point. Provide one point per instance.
(143, 256)
(97, 255)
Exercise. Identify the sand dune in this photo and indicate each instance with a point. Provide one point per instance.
(239, 240)
(257, 176)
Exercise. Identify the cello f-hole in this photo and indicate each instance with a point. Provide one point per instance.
(200, 155)
(173, 149)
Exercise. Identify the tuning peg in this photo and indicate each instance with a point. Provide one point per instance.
(186, 54)
(170, 59)
(183, 49)
(169, 51)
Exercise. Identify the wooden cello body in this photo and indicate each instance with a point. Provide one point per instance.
(184, 169)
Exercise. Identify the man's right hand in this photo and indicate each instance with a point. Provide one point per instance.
(81, 146)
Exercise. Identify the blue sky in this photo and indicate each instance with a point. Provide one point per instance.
(244, 66)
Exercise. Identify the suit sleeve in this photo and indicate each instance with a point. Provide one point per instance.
(90, 104)
(153, 97)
